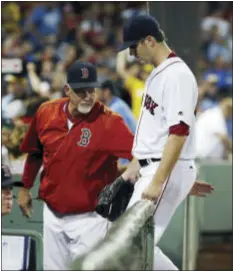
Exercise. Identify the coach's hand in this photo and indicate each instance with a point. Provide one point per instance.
(132, 172)
(25, 202)
(153, 192)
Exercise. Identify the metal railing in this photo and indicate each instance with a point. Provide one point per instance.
(191, 234)
(129, 244)
(36, 236)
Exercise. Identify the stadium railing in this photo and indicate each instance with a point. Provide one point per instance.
(129, 244)
(36, 236)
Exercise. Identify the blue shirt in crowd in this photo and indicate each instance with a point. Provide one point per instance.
(224, 77)
(120, 106)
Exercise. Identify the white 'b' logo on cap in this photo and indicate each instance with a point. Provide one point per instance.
(85, 73)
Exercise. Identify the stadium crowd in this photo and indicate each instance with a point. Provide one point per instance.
(44, 38)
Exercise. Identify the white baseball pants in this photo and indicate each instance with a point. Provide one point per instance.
(69, 237)
(175, 191)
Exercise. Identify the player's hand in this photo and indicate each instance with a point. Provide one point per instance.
(153, 192)
(132, 172)
(25, 202)
(201, 189)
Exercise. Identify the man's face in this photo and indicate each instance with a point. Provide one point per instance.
(141, 51)
(7, 200)
(212, 88)
(82, 99)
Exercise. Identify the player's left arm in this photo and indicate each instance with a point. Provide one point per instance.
(179, 102)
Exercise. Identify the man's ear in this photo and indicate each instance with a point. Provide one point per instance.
(67, 90)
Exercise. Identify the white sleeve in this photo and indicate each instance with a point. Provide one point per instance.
(180, 98)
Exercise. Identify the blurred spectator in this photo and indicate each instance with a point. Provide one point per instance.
(41, 27)
(50, 85)
(91, 25)
(5, 156)
(216, 19)
(223, 71)
(12, 102)
(208, 93)
(108, 94)
(10, 17)
(7, 185)
(212, 139)
(134, 78)
(219, 47)
(12, 137)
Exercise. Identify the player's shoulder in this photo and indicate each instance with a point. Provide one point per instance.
(179, 68)
(109, 117)
(51, 105)
(109, 114)
(180, 73)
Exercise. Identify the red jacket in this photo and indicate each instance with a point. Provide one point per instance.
(77, 163)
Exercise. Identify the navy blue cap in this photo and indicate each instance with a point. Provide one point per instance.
(82, 75)
(7, 180)
(137, 28)
(111, 86)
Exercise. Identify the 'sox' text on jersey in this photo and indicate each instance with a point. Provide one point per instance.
(149, 104)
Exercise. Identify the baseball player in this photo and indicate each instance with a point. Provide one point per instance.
(164, 138)
(78, 141)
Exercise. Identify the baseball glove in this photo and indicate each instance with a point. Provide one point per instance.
(114, 199)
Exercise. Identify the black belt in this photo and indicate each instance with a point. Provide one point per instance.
(146, 162)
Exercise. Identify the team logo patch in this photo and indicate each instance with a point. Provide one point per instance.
(85, 137)
(85, 73)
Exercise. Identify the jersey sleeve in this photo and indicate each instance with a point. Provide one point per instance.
(120, 139)
(180, 98)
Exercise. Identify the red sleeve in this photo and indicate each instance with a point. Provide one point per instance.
(31, 145)
(31, 142)
(120, 139)
(181, 129)
(31, 169)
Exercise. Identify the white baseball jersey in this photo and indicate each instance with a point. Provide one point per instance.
(170, 97)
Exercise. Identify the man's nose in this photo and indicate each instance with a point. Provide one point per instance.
(87, 94)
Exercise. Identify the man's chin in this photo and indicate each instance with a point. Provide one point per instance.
(84, 109)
